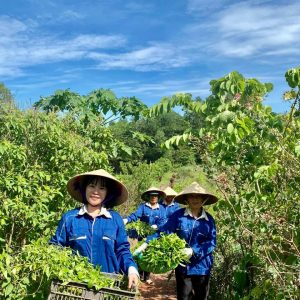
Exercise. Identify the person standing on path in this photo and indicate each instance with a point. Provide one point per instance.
(94, 230)
(197, 227)
(150, 212)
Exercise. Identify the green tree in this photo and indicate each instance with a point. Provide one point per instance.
(252, 154)
(6, 96)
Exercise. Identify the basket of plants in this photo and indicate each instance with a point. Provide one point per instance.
(75, 290)
(162, 255)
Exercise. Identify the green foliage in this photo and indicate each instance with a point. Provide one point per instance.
(6, 97)
(39, 153)
(93, 107)
(27, 274)
(163, 254)
(292, 77)
(249, 153)
(142, 229)
(252, 155)
(139, 178)
(145, 137)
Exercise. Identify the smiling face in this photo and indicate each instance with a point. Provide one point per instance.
(96, 192)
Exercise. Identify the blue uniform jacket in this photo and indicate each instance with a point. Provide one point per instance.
(151, 216)
(103, 240)
(171, 208)
(199, 234)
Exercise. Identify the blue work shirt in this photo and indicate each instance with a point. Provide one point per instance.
(170, 208)
(151, 215)
(102, 240)
(199, 234)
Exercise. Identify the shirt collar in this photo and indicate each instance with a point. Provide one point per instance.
(103, 212)
(188, 212)
(153, 207)
(165, 203)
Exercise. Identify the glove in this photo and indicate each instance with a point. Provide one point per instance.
(125, 221)
(154, 226)
(188, 252)
(140, 249)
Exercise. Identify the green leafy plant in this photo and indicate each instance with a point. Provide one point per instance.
(28, 273)
(142, 229)
(163, 254)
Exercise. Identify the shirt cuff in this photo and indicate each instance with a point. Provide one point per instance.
(133, 270)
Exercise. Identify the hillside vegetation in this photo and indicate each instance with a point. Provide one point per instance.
(230, 142)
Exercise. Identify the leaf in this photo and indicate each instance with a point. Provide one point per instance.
(297, 150)
(230, 128)
(8, 289)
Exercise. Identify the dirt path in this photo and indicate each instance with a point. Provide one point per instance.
(161, 289)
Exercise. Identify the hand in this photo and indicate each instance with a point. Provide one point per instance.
(154, 226)
(133, 281)
(188, 252)
(125, 221)
(140, 249)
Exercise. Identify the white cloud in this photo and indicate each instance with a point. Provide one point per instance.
(22, 46)
(248, 30)
(150, 58)
(168, 87)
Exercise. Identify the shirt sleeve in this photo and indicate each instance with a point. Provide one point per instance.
(60, 236)
(136, 215)
(122, 248)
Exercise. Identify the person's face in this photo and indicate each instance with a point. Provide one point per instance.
(195, 201)
(169, 199)
(95, 192)
(153, 199)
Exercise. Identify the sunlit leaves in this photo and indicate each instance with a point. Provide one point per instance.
(292, 77)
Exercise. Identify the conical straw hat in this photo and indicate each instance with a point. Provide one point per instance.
(170, 192)
(75, 183)
(153, 189)
(195, 189)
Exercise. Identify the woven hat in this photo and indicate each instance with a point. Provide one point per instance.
(195, 189)
(74, 186)
(152, 191)
(170, 192)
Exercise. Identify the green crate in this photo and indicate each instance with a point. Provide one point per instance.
(75, 291)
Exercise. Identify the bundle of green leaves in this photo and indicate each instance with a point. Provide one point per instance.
(142, 229)
(163, 254)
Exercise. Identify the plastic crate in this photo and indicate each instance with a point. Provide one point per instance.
(75, 291)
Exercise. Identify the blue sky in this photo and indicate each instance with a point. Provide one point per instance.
(147, 49)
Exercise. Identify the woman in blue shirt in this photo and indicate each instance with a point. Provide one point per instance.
(94, 230)
(197, 228)
(150, 212)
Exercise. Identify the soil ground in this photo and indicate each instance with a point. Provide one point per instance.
(161, 289)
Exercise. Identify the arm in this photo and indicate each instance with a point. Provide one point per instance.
(122, 248)
(60, 236)
(136, 215)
